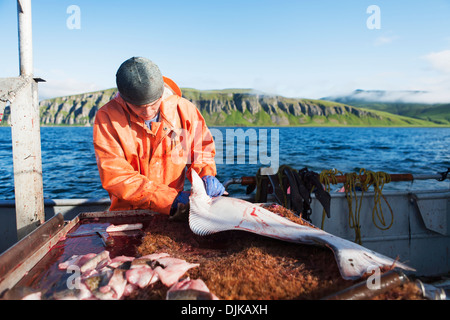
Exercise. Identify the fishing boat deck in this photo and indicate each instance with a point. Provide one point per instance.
(234, 265)
(238, 265)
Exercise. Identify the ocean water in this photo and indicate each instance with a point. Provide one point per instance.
(70, 169)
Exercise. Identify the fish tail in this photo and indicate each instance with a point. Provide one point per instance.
(355, 261)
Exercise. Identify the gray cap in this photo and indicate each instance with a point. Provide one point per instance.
(139, 81)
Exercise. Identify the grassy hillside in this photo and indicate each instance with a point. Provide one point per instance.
(435, 113)
(247, 107)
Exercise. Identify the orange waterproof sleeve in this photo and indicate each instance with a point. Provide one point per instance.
(118, 176)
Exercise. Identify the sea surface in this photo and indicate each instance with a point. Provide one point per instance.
(70, 169)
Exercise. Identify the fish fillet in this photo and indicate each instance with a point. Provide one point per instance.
(187, 289)
(93, 262)
(141, 276)
(173, 269)
(111, 279)
(211, 215)
(124, 227)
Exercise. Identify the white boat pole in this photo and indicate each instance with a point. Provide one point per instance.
(25, 134)
(25, 37)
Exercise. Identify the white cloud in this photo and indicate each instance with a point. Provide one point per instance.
(436, 80)
(60, 83)
(53, 88)
(440, 61)
(382, 40)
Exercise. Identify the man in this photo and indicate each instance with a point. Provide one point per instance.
(148, 139)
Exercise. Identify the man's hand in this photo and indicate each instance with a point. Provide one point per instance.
(180, 207)
(213, 186)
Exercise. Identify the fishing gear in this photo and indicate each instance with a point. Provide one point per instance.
(292, 189)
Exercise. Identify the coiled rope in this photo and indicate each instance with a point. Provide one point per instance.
(350, 194)
(364, 180)
(378, 179)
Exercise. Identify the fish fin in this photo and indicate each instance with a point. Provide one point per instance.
(355, 261)
(202, 225)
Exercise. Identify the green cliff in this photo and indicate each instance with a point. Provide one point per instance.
(233, 107)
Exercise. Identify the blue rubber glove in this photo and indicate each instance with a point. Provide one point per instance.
(183, 198)
(213, 186)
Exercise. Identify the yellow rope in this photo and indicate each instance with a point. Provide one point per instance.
(379, 179)
(350, 193)
(353, 180)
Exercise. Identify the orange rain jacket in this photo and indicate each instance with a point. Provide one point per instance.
(146, 169)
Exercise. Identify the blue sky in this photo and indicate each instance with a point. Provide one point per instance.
(295, 48)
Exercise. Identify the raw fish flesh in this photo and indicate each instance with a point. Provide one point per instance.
(172, 269)
(111, 279)
(124, 227)
(187, 289)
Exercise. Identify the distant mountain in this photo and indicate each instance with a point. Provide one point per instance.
(394, 102)
(232, 107)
